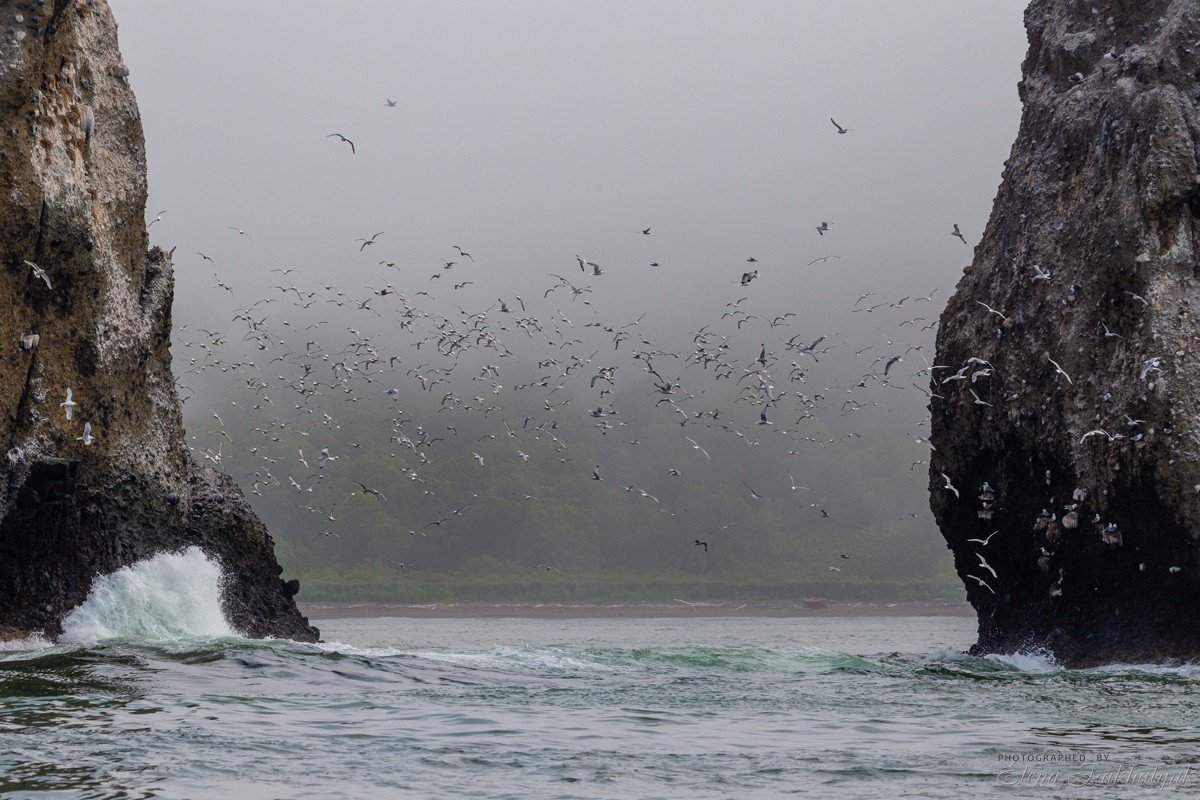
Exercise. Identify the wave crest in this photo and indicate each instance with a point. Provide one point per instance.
(170, 596)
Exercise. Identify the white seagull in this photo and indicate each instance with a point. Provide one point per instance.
(40, 274)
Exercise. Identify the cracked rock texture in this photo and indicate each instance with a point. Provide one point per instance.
(1090, 477)
(73, 175)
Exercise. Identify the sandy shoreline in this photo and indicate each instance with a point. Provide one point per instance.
(681, 609)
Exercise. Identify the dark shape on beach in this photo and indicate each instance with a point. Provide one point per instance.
(1086, 450)
(73, 506)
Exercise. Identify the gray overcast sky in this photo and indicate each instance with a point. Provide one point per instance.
(531, 131)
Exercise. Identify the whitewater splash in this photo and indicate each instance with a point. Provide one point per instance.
(168, 597)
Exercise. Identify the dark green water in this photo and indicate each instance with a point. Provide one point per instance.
(630, 708)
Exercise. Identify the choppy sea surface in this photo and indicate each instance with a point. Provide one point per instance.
(152, 695)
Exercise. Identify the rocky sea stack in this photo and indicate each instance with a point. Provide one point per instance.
(1066, 417)
(87, 307)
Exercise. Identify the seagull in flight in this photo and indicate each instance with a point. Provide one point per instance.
(87, 437)
(950, 485)
(992, 310)
(978, 401)
(699, 543)
(696, 446)
(39, 273)
(983, 563)
(1058, 369)
(824, 226)
(958, 234)
(68, 405)
(368, 490)
(753, 494)
(368, 242)
(390, 103)
(794, 485)
(353, 151)
(982, 583)
(820, 260)
(984, 542)
(840, 129)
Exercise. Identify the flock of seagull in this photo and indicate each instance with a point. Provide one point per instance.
(525, 354)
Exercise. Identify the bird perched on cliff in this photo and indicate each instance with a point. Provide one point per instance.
(86, 437)
(1150, 365)
(958, 234)
(39, 273)
(68, 405)
(353, 150)
(88, 123)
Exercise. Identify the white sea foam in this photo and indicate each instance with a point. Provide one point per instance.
(25, 644)
(1031, 661)
(1028, 662)
(171, 596)
(536, 659)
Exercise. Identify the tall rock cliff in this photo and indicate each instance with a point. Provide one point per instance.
(87, 308)
(1066, 415)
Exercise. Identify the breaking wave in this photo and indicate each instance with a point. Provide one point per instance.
(167, 597)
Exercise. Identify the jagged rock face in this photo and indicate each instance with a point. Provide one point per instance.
(73, 170)
(1095, 554)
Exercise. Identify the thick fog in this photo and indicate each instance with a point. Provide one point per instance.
(526, 133)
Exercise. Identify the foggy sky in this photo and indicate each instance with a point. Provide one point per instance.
(528, 132)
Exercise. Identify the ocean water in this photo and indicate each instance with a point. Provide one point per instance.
(154, 696)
